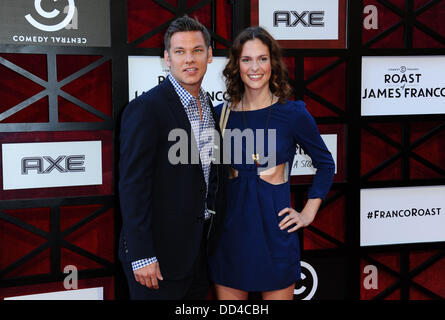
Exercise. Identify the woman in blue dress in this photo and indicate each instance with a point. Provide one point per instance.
(258, 250)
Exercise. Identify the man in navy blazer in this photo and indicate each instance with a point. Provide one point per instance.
(169, 224)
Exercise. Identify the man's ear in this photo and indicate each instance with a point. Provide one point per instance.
(210, 54)
(167, 58)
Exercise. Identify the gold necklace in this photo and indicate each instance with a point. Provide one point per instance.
(256, 156)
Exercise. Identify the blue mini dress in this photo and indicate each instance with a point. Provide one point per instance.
(253, 254)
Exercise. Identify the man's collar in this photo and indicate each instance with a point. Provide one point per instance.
(183, 94)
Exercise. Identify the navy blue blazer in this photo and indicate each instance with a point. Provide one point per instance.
(162, 204)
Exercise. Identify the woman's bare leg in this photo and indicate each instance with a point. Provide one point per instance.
(227, 293)
(282, 294)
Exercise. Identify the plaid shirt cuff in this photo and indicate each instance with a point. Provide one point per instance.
(208, 213)
(142, 263)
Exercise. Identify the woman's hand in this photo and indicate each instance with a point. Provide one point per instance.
(300, 219)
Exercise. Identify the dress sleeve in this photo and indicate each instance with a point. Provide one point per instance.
(308, 137)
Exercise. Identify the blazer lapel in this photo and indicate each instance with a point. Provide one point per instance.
(176, 107)
(178, 111)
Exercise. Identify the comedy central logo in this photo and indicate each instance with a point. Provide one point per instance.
(69, 10)
(307, 286)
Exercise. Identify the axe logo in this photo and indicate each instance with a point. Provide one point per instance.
(51, 164)
(293, 18)
(73, 163)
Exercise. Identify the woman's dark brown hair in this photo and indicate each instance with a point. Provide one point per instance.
(278, 82)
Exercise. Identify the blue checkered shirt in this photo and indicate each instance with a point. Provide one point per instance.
(203, 129)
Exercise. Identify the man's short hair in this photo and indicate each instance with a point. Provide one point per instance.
(184, 24)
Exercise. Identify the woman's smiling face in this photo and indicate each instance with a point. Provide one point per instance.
(255, 66)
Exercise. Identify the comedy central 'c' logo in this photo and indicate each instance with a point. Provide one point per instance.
(308, 284)
(52, 14)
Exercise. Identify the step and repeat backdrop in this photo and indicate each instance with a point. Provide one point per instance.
(370, 72)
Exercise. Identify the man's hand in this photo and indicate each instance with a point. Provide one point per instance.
(149, 275)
